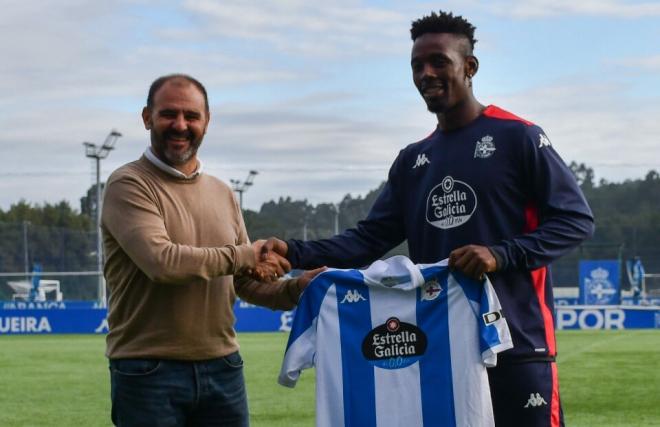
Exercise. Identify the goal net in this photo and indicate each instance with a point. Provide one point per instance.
(651, 285)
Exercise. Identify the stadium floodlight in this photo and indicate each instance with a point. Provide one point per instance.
(98, 153)
(26, 257)
(242, 186)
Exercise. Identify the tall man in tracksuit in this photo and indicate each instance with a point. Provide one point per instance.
(487, 190)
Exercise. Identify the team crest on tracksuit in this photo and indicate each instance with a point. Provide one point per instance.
(484, 148)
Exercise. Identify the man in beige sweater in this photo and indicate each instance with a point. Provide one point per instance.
(177, 253)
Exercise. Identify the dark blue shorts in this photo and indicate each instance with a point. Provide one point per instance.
(154, 392)
(526, 394)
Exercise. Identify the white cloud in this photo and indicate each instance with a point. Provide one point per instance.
(596, 124)
(544, 8)
(327, 29)
(304, 92)
(642, 63)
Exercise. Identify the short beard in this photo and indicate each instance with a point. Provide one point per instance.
(181, 159)
(160, 147)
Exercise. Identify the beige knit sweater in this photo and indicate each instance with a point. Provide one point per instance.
(173, 248)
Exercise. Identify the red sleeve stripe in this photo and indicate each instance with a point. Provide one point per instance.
(498, 113)
(539, 280)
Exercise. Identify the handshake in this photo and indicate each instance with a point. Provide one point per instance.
(272, 263)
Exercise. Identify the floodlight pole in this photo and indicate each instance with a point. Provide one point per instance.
(25, 250)
(242, 186)
(98, 153)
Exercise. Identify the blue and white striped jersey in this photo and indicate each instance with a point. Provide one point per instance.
(397, 344)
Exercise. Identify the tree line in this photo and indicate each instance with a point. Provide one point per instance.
(62, 238)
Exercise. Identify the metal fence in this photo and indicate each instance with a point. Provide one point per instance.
(71, 255)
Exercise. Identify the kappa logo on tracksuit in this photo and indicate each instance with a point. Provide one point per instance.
(535, 400)
(421, 161)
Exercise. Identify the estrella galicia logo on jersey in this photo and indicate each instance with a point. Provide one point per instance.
(492, 317)
(484, 148)
(352, 296)
(430, 290)
(544, 141)
(450, 204)
(394, 344)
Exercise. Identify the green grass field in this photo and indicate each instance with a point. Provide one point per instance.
(608, 378)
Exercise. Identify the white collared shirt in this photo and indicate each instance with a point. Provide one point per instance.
(169, 169)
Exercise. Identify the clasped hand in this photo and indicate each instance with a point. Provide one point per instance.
(270, 264)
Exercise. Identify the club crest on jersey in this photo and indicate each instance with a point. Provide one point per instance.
(394, 344)
(450, 204)
(430, 290)
(544, 141)
(484, 148)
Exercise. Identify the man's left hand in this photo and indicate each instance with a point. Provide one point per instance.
(307, 276)
(473, 260)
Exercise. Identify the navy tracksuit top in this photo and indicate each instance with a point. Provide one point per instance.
(495, 182)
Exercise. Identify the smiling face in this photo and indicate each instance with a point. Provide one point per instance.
(442, 68)
(178, 121)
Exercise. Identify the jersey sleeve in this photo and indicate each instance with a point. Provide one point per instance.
(299, 354)
(558, 216)
(494, 334)
(301, 347)
(382, 230)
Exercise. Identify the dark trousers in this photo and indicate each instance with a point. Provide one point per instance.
(153, 392)
(526, 394)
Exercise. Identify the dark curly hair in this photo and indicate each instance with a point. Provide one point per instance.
(443, 22)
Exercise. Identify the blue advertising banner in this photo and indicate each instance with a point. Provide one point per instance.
(48, 305)
(53, 321)
(566, 301)
(614, 317)
(250, 318)
(80, 317)
(599, 282)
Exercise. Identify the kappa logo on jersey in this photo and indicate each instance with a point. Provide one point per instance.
(421, 161)
(394, 344)
(450, 204)
(544, 141)
(484, 148)
(535, 400)
(352, 296)
(430, 290)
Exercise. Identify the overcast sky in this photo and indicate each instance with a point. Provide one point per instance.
(316, 96)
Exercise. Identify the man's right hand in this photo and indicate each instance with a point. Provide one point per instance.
(270, 264)
(274, 245)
